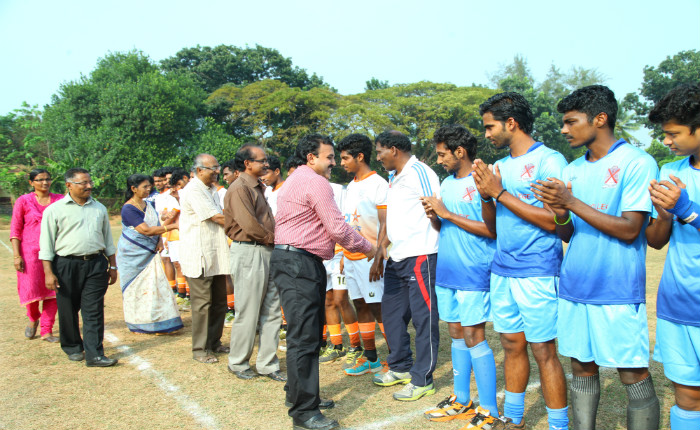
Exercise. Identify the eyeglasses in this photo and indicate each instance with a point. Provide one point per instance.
(82, 184)
(262, 160)
(42, 180)
(212, 168)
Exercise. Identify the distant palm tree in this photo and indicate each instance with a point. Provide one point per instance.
(627, 122)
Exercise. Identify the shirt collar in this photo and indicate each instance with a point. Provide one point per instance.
(614, 146)
(249, 180)
(69, 199)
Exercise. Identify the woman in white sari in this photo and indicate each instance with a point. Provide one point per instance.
(149, 304)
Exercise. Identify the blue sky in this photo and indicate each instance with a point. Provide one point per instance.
(44, 43)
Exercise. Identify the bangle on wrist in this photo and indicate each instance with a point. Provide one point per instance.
(500, 194)
(489, 200)
(19, 256)
(112, 267)
(165, 227)
(568, 220)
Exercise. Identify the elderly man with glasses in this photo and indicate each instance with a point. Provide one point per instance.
(204, 258)
(75, 246)
(250, 224)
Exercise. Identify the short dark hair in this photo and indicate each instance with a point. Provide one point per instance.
(158, 173)
(168, 170)
(230, 164)
(244, 153)
(134, 181)
(357, 144)
(591, 100)
(681, 104)
(36, 172)
(293, 162)
(454, 136)
(274, 162)
(70, 173)
(310, 144)
(393, 138)
(178, 174)
(510, 105)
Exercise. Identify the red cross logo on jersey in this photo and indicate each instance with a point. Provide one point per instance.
(613, 177)
(355, 216)
(528, 171)
(469, 194)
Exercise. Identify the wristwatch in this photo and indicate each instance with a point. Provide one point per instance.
(112, 267)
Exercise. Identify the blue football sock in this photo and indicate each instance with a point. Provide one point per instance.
(461, 370)
(558, 418)
(485, 375)
(514, 406)
(684, 420)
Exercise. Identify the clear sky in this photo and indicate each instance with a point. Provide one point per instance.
(46, 42)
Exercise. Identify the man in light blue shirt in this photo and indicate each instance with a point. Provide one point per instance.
(676, 220)
(525, 269)
(601, 207)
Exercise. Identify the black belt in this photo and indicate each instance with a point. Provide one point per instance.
(300, 251)
(82, 257)
(244, 242)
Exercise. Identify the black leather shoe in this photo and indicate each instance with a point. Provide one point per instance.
(317, 422)
(101, 361)
(325, 404)
(276, 376)
(78, 356)
(244, 374)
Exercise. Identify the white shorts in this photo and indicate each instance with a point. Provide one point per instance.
(164, 253)
(174, 251)
(334, 279)
(358, 284)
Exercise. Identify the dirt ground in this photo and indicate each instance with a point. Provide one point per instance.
(157, 384)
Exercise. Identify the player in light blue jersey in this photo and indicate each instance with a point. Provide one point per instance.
(676, 198)
(462, 277)
(525, 269)
(601, 208)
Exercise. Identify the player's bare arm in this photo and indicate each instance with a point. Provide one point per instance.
(489, 181)
(437, 206)
(626, 227)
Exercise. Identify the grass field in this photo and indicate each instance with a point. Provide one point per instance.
(157, 385)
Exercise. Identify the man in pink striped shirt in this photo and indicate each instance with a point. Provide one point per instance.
(308, 225)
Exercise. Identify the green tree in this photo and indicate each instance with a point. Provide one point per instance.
(661, 154)
(376, 84)
(226, 64)
(682, 68)
(125, 117)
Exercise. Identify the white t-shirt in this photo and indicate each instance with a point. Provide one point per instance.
(221, 193)
(271, 196)
(408, 228)
(363, 198)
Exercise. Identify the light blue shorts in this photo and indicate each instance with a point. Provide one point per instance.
(526, 305)
(678, 348)
(468, 308)
(609, 335)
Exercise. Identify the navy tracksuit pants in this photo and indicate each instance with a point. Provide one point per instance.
(409, 294)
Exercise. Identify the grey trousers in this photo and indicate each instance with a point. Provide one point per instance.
(208, 300)
(257, 303)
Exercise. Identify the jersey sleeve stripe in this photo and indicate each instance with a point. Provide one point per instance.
(425, 183)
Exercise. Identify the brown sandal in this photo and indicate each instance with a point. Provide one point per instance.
(30, 330)
(207, 359)
(50, 338)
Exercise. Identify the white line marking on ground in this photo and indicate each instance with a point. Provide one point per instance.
(172, 390)
(6, 246)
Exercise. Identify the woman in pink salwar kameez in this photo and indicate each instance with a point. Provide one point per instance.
(24, 235)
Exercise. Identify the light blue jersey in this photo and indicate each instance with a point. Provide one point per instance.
(679, 291)
(598, 268)
(464, 259)
(523, 249)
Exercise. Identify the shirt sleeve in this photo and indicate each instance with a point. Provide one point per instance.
(132, 216)
(47, 239)
(635, 185)
(17, 224)
(322, 202)
(552, 166)
(380, 195)
(107, 234)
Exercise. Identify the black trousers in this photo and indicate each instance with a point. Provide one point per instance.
(301, 280)
(82, 287)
